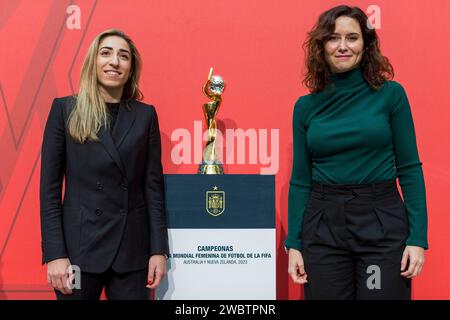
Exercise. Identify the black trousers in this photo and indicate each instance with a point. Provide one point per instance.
(353, 239)
(118, 286)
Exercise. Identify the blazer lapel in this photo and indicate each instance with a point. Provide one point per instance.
(124, 122)
(111, 143)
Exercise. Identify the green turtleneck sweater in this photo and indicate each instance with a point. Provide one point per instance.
(349, 134)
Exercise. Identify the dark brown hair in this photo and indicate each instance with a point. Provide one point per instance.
(376, 67)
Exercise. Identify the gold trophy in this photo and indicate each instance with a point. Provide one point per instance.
(213, 89)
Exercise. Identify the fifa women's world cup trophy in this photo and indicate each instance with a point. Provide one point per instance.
(213, 89)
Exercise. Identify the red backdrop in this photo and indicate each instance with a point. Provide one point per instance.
(256, 46)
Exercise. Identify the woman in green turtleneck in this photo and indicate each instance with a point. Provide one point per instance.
(350, 235)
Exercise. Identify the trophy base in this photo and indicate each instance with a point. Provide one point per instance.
(210, 169)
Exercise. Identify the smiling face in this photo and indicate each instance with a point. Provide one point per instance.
(113, 65)
(345, 47)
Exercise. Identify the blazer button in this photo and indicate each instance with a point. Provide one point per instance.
(98, 212)
(99, 186)
(122, 212)
(124, 186)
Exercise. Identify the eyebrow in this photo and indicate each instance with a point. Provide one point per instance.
(110, 48)
(350, 34)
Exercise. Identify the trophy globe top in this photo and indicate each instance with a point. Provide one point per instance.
(215, 86)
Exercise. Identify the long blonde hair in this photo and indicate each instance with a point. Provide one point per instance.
(89, 111)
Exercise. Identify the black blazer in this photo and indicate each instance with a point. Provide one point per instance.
(113, 213)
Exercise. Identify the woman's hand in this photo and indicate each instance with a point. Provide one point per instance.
(296, 267)
(156, 270)
(57, 275)
(416, 258)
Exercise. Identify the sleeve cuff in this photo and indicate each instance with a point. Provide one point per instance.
(417, 244)
(161, 254)
(294, 244)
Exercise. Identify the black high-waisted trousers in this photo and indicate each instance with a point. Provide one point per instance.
(353, 239)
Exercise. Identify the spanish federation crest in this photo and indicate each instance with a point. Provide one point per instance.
(215, 202)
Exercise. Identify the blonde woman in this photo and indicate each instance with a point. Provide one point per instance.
(105, 145)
